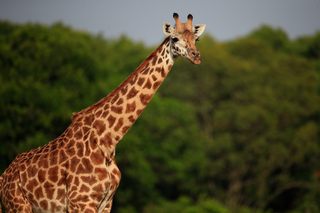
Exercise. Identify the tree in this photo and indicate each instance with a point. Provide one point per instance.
(238, 133)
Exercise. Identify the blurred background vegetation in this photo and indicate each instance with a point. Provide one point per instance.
(238, 133)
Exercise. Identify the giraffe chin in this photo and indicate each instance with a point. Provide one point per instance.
(196, 61)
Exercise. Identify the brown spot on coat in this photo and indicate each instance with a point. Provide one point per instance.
(71, 143)
(106, 106)
(115, 98)
(131, 107)
(76, 126)
(81, 169)
(41, 175)
(154, 60)
(38, 193)
(43, 163)
(69, 133)
(98, 113)
(158, 69)
(97, 157)
(87, 165)
(53, 157)
(61, 195)
(49, 189)
(23, 177)
(131, 118)
(116, 109)
(74, 163)
(132, 93)
(124, 90)
(163, 73)
(133, 79)
(78, 134)
(147, 85)
(101, 173)
(76, 181)
(84, 188)
(31, 171)
(53, 174)
(99, 126)
(106, 140)
(53, 206)
(154, 78)
(89, 119)
(146, 71)
(105, 113)
(80, 149)
(31, 184)
(44, 204)
(120, 101)
(98, 188)
(140, 81)
(144, 98)
(163, 52)
(139, 111)
(85, 129)
(156, 84)
(23, 167)
(62, 180)
(63, 157)
(119, 124)
(111, 120)
(125, 129)
(89, 179)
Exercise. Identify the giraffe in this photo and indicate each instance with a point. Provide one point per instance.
(77, 171)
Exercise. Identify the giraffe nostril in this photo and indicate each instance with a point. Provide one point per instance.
(195, 54)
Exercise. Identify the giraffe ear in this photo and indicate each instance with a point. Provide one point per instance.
(198, 30)
(168, 30)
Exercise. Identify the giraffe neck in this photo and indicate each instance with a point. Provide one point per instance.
(113, 115)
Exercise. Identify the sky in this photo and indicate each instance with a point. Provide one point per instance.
(142, 20)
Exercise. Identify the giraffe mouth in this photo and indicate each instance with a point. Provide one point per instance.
(194, 56)
(196, 61)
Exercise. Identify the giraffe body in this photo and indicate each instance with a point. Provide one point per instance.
(77, 172)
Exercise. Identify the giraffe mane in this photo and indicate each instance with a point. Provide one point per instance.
(91, 108)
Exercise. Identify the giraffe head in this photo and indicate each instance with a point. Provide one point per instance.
(183, 37)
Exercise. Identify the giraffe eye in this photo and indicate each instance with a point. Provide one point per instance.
(174, 39)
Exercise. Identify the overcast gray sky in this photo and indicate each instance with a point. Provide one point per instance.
(142, 19)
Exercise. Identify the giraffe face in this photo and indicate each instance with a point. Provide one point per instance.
(183, 38)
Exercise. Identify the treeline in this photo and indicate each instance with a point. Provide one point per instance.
(238, 133)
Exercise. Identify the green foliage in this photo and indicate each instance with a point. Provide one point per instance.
(238, 133)
(274, 38)
(184, 204)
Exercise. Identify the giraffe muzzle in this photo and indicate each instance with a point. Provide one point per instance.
(195, 56)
